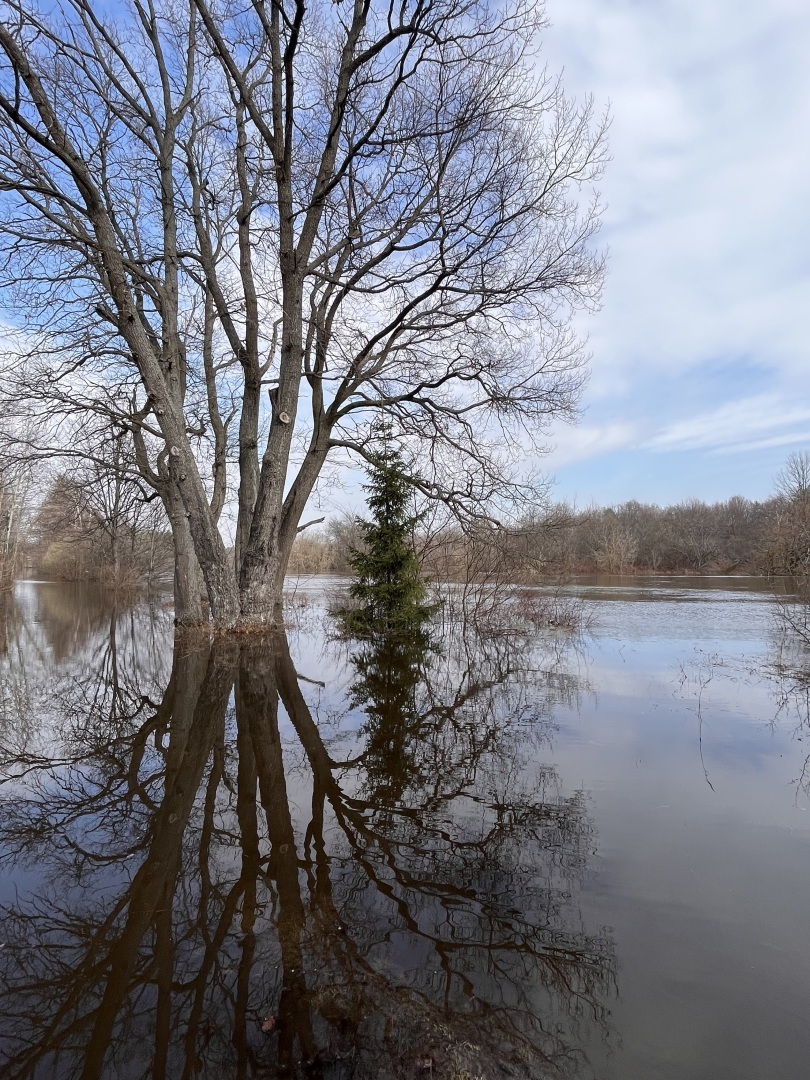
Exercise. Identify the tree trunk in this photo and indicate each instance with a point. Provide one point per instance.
(199, 557)
(188, 610)
(264, 562)
(261, 581)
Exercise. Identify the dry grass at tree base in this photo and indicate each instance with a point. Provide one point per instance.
(405, 1039)
(556, 612)
(498, 609)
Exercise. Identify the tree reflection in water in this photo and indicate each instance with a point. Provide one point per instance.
(400, 892)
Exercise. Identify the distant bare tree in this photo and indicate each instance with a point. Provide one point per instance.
(95, 524)
(617, 544)
(359, 207)
(694, 533)
(790, 541)
(793, 479)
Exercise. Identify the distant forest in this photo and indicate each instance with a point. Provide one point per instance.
(737, 536)
(101, 527)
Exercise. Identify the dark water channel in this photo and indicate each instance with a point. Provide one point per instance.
(501, 855)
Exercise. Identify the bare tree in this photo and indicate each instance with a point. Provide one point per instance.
(793, 479)
(789, 553)
(95, 523)
(790, 528)
(617, 545)
(359, 207)
(15, 480)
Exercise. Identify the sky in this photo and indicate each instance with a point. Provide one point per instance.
(699, 356)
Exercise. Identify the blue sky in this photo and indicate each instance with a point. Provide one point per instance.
(699, 375)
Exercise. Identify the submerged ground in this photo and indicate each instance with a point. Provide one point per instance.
(515, 853)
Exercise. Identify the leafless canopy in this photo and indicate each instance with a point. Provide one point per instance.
(238, 231)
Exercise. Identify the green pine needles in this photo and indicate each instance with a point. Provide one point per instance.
(388, 587)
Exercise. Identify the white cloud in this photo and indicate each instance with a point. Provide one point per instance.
(588, 441)
(724, 426)
(791, 438)
(706, 191)
(707, 217)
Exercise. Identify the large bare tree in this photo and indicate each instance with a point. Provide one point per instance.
(239, 231)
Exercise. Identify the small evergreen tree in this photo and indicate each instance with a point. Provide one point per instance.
(387, 582)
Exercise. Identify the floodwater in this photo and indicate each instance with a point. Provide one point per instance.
(522, 853)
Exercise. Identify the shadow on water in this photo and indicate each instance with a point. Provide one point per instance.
(210, 882)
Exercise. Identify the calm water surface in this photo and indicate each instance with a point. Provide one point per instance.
(512, 854)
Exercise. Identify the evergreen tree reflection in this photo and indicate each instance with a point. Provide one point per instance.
(389, 669)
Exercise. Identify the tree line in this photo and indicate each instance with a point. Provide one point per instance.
(99, 524)
(738, 535)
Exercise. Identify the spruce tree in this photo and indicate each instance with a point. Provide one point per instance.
(387, 582)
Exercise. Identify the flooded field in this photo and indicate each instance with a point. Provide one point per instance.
(491, 854)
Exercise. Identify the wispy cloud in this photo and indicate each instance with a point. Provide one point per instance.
(588, 441)
(732, 426)
(752, 446)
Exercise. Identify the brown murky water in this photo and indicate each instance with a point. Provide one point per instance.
(503, 855)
